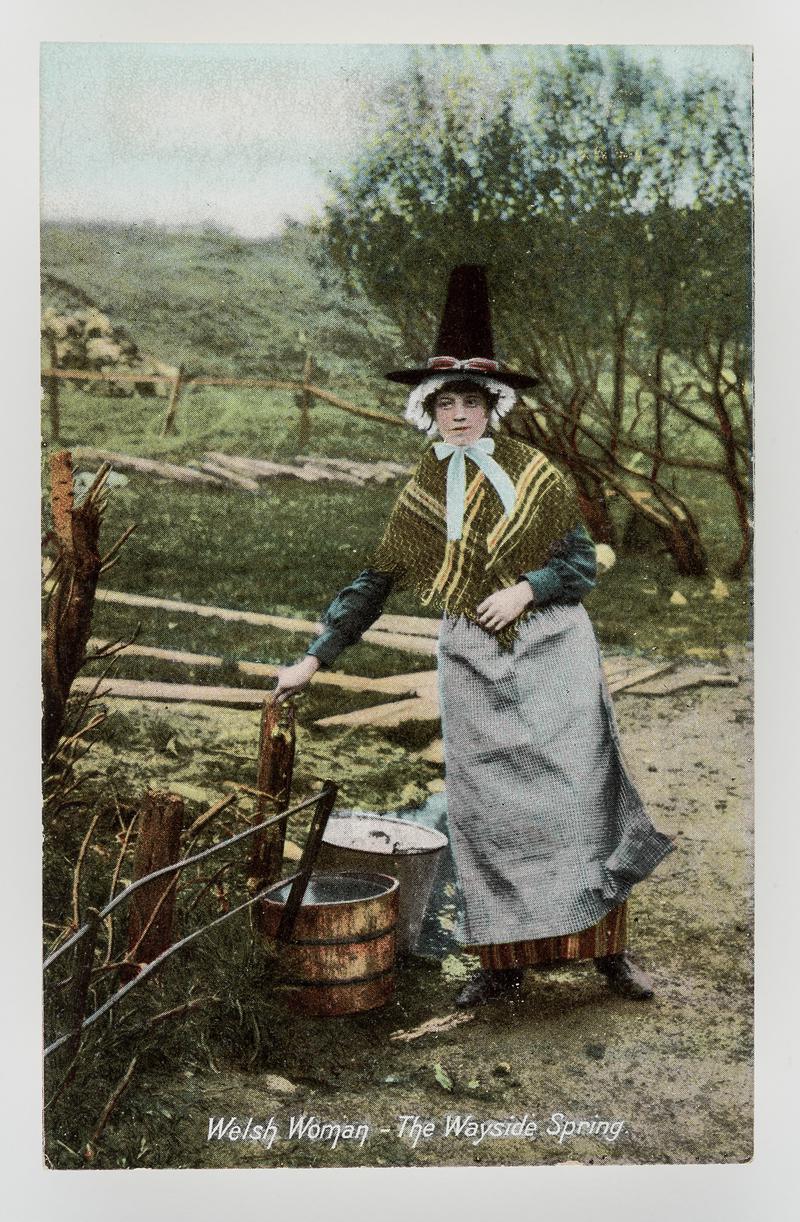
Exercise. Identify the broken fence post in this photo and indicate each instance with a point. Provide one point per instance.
(274, 784)
(152, 911)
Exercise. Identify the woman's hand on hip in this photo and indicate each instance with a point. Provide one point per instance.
(499, 609)
(292, 679)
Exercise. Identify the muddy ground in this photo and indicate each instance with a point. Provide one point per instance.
(676, 1071)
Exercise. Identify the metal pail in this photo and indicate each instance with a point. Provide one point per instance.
(408, 851)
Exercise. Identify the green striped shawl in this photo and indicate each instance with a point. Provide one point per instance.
(494, 551)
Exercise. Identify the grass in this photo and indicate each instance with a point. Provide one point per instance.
(287, 552)
(277, 552)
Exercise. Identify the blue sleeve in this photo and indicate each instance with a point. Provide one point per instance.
(570, 573)
(352, 611)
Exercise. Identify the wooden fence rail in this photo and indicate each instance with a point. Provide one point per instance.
(180, 382)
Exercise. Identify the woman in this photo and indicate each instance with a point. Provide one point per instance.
(547, 830)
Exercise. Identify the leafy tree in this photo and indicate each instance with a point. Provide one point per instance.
(596, 192)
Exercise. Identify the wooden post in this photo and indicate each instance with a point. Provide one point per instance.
(275, 763)
(81, 978)
(172, 410)
(69, 610)
(303, 401)
(152, 907)
(52, 393)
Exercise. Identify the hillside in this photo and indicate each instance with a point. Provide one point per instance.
(220, 304)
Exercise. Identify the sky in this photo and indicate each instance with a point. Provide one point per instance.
(234, 135)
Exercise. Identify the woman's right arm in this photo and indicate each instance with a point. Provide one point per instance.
(352, 611)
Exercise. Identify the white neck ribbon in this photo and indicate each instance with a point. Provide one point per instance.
(481, 454)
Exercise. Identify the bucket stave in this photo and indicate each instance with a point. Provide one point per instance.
(341, 956)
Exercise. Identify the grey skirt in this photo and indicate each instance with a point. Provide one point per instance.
(547, 829)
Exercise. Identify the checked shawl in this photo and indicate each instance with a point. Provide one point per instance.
(494, 551)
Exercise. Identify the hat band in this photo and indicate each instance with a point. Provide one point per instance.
(480, 364)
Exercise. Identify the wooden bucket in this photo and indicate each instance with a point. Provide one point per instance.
(341, 956)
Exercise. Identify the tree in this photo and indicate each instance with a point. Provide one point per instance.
(581, 184)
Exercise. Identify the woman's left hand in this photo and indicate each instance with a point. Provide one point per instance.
(499, 609)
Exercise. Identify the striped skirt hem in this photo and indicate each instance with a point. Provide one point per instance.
(609, 936)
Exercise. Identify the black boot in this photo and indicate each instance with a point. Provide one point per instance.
(488, 983)
(625, 977)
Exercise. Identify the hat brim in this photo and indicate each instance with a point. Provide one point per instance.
(412, 377)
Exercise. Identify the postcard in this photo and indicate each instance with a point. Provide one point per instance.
(397, 618)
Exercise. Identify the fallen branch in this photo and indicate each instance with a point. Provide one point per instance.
(179, 1011)
(201, 820)
(684, 679)
(431, 1026)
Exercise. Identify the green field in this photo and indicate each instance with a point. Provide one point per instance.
(222, 305)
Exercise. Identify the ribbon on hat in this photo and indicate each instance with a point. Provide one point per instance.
(480, 364)
(481, 454)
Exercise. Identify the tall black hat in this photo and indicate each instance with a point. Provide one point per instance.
(465, 342)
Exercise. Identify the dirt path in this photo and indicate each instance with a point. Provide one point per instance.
(676, 1071)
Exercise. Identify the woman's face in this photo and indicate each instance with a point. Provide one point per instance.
(461, 415)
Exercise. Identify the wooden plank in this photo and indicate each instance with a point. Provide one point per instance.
(397, 640)
(257, 618)
(422, 707)
(169, 693)
(400, 684)
(627, 679)
(417, 708)
(409, 625)
(262, 469)
(411, 644)
(225, 475)
(362, 472)
(363, 467)
(414, 683)
(145, 466)
(202, 693)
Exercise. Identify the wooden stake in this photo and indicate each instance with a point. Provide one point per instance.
(69, 610)
(172, 410)
(52, 394)
(81, 976)
(303, 401)
(275, 764)
(152, 910)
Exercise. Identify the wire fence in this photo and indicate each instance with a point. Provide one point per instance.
(297, 882)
